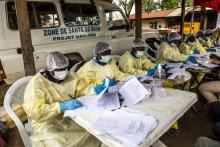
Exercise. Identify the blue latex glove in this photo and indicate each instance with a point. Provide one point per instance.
(211, 50)
(98, 89)
(191, 59)
(152, 71)
(196, 52)
(138, 77)
(112, 82)
(70, 105)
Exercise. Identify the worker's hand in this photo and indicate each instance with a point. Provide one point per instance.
(138, 77)
(112, 82)
(196, 52)
(70, 105)
(211, 50)
(98, 89)
(192, 59)
(152, 71)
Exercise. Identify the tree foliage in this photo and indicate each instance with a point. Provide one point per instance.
(169, 4)
(151, 5)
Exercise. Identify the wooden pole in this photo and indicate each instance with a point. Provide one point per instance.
(138, 22)
(202, 18)
(182, 17)
(25, 36)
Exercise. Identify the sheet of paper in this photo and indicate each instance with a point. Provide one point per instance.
(127, 125)
(109, 101)
(194, 66)
(147, 78)
(133, 92)
(207, 64)
(174, 65)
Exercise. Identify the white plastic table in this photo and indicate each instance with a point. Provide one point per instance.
(167, 110)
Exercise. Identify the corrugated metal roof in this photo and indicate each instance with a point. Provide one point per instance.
(166, 13)
(158, 14)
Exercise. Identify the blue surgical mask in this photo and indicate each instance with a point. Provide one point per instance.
(139, 54)
(105, 59)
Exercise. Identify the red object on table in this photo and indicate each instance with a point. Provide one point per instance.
(214, 4)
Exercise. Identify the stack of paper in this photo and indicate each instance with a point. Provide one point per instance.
(174, 65)
(133, 92)
(128, 126)
(176, 72)
(107, 101)
(193, 66)
(207, 64)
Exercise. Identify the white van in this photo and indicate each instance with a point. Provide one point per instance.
(72, 27)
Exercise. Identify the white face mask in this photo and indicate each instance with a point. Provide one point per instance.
(60, 75)
(139, 54)
(105, 59)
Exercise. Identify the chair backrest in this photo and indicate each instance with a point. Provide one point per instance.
(16, 94)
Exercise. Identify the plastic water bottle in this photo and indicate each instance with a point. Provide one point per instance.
(160, 75)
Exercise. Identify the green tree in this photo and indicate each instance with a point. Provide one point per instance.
(189, 2)
(170, 4)
(149, 5)
(126, 5)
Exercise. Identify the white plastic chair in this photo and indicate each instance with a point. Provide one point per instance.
(16, 94)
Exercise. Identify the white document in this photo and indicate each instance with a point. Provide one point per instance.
(193, 66)
(207, 64)
(133, 92)
(174, 65)
(147, 78)
(176, 72)
(128, 126)
(108, 101)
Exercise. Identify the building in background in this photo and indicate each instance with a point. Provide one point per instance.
(169, 20)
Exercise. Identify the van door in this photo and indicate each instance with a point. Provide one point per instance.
(120, 38)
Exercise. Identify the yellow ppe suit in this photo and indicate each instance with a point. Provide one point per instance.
(131, 65)
(167, 53)
(200, 48)
(215, 35)
(186, 49)
(93, 74)
(207, 44)
(42, 100)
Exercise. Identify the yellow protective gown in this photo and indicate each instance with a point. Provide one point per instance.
(93, 74)
(186, 49)
(200, 48)
(42, 104)
(167, 53)
(207, 44)
(216, 35)
(133, 66)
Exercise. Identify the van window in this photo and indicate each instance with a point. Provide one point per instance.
(41, 15)
(80, 14)
(115, 20)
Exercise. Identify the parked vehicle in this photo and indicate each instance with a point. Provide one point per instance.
(71, 27)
